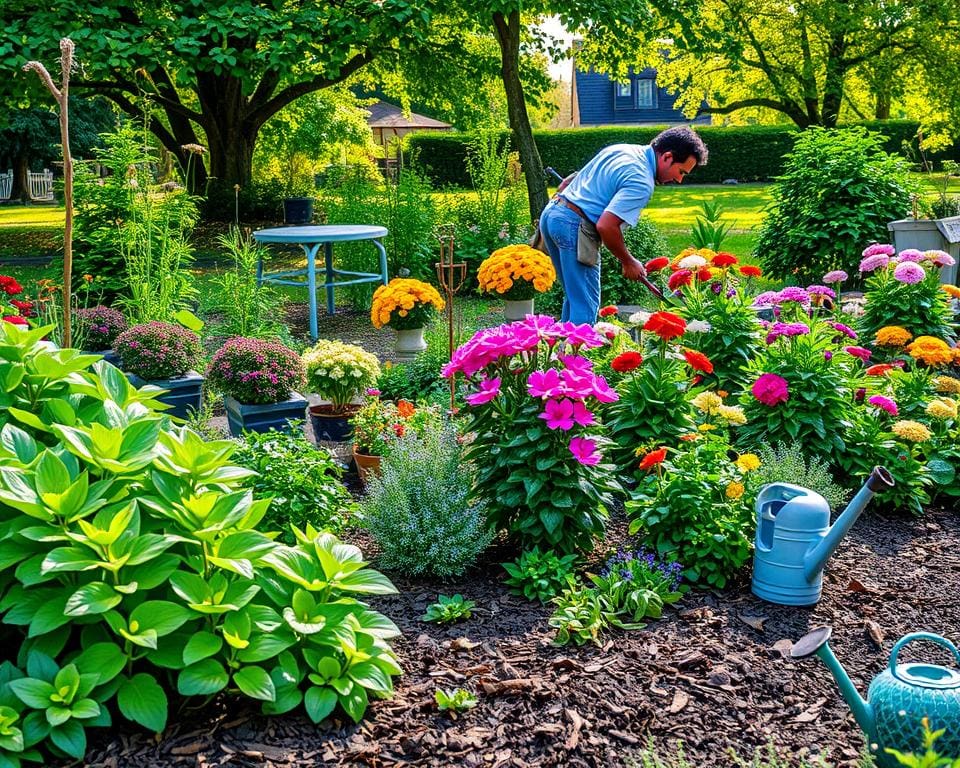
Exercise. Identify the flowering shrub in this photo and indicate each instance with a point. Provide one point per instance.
(378, 424)
(516, 272)
(98, 327)
(14, 310)
(157, 350)
(338, 372)
(537, 442)
(903, 290)
(404, 303)
(255, 371)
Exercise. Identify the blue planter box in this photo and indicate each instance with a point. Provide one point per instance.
(263, 418)
(109, 356)
(183, 393)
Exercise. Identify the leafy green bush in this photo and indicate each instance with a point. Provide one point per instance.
(786, 463)
(449, 609)
(538, 575)
(838, 190)
(302, 479)
(128, 545)
(645, 242)
(419, 509)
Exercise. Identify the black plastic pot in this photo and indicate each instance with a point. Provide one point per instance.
(298, 210)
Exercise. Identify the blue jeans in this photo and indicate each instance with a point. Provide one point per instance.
(581, 285)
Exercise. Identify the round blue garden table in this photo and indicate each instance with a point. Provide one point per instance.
(310, 238)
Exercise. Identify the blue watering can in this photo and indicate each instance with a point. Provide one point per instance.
(898, 699)
(794, 538)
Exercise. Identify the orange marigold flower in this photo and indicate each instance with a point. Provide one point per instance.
(653, 458)
(405, 408)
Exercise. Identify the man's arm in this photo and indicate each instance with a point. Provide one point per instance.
(609, 227)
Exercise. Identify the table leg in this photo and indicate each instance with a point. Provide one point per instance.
(328, 258)
(383, 261)
(311, 253)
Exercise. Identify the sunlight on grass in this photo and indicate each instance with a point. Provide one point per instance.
(28, 216)
(675, 207)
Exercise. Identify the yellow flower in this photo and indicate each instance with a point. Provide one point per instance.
(408, 296)
(947, 385)
(516, 263)
(732, 413)
(707, 402)
(734, 490)
(913, 431)
(747, 462)
(930, 350)
(951, 290)
(706, 427)
(942, 408)
(892, 336)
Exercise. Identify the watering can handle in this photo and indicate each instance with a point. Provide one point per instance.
(920, 636)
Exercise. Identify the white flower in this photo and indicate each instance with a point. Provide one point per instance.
(357, 373)
(638, 318)
(606, 328)
(854, 309)
(692, 262)
(698, 326)
(336, 373)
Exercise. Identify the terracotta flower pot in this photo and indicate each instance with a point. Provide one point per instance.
(367, 465)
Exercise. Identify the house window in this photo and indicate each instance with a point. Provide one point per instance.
(623, 95)
(646, 94)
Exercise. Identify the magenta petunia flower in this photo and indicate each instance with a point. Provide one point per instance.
(489, 389)
(582, 415)
(770, 389)
(545, 383)
(603, 392)
(884, 404)
(558, 414)
(908, 272)
(582, 335)
(585, 451)
(835, 276)
(859, 352)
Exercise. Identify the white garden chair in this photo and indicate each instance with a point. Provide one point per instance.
(6, 185)
(41, 185)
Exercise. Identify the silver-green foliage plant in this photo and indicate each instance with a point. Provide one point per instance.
(130, 557)
(785, 463)
(419, 509)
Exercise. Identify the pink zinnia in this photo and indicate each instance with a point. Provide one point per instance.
(859, 352)
(908, 272)
(835, 276)
(879, 249)
(910, 254)
(585, 451)
(876, 261)
(884, 404)
(489, 389)
(771, 389)
(939, 258)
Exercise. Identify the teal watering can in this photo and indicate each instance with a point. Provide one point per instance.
(795, 539)
(898, 698)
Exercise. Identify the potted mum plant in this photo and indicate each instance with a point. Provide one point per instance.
(338, 373)
(163, 355)
(406, 305)
(257, 379)
(517, 273)
(97, 329)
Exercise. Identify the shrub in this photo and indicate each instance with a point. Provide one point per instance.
(338, 372)
(538, 575)
(419, 509)
(302, 479)
(786, 463)
(645, 242)
(157, 350)
(255, 371)
(405, 303)
(838, 190)
(98, 327)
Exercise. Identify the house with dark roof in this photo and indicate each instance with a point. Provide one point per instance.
(389, 124)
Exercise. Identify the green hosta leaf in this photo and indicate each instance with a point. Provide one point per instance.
(71, 738)
(319, 702)
(288, 696)
(49, 615)
(68, 559)
(32, 692)
(263, 647)
(161, 616)
(93, 598)
(201, 645)
(142, 700)
(369, 675)
(203, 678)
(85, 709)
(941, 472)
(355, 702)
(255, 683)
(18, 442)
(367, 581)
(51, 475)
(104, 659)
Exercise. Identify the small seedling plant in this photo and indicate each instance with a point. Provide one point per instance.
(458, 700)
(538, 575)
(449, 609)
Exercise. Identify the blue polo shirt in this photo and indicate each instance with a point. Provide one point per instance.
(619, 178)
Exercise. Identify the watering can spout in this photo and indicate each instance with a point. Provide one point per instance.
(879, 480)
(814, 643)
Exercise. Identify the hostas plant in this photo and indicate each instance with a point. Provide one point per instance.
(130, 561)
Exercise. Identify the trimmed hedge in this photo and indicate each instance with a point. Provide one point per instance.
(745, 153)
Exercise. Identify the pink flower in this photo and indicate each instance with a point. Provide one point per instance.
(544, 383)
(603, 392)
(879, 249)
(884, 404)
(910, 254)
(908, 272)
(584, 335)
(846, 330)
(873, 262)
(771, 389)
(859, 352)
(939, 258)
(489, 389)
(558, 414)
(373, 392)
(835, 276)
(582, 415)
(585, 451)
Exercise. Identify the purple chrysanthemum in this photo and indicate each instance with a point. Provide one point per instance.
(908, 272)
(821, 290)
(835, 276)
(874, 261)
(765, 299)
(910, 254)
(793, 293)
(879, 249)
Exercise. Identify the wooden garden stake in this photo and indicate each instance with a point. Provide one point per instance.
(61, 94)
(451, 276)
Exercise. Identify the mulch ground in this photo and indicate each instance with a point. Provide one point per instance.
(712, 673)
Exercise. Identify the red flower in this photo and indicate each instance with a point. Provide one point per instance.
(608, 310)
(878, 370)
(405, 408)
(655, 265)
(399, 429)
(626, 361)
(724, 259)
(16, 320)
(698, 361)
(10, 286)
(25, 307)
(653, 458)
(748, 270)
(666, 325)
(678, 278)
(704, 274)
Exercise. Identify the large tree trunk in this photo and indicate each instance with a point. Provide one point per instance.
(834, 79)
(881, 110)
(508, 36)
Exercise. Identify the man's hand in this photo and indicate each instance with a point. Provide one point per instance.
(633, 269)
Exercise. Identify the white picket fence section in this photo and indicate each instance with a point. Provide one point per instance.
(41, 185)
(6, 185)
